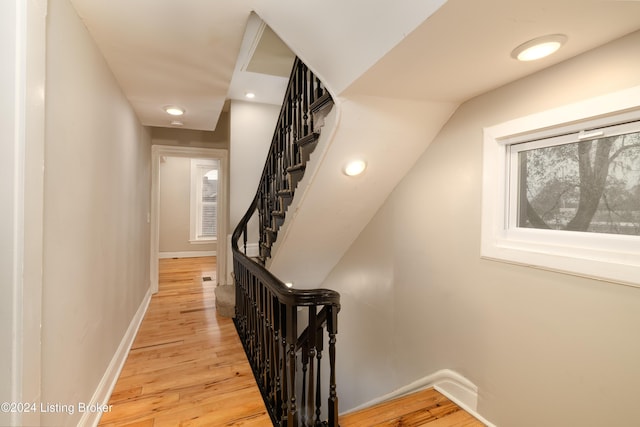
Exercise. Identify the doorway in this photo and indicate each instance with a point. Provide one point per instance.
(220, 158)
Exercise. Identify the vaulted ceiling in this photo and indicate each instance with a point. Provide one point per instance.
(199, 53)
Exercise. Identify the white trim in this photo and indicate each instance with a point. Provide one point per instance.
(456, 387)
(19, 202)
(157, 151)
(186, 254)
(14, 86)
(203, 242)
(108, 382)
(598, 256)
(195, 198)
(447, 388)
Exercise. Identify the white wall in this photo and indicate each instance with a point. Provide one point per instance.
(22, 47)
(10, 143)
(544, 348)
(251, 130)
(96, 201)
(175, 207)
(341, 55)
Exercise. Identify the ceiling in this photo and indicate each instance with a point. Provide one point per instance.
(199, 53)
(195, 54)
(464, 49)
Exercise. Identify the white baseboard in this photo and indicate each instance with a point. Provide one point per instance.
(108, 381)
(456, 387)
(186, 254)
(463, 393)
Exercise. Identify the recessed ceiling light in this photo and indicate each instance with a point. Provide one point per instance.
(174, 110)
(250, 95)
(539, 47)
(355, 167)
(289, 285)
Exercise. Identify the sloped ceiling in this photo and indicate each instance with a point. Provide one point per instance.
(189, 52)
(463, 50)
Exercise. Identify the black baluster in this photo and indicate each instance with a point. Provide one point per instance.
(292, 321)
(311, 344)
(319, 348)
(276, 356)
(305, 97)
(283, 361)
(332, 329)
(305, 367)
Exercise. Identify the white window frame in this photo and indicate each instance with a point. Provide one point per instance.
(198, 166)
(613, 258)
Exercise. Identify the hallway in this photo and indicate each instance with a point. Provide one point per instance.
(186, 366)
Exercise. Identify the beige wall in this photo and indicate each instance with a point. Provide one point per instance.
(96, 203)
(175, 207)
(249, 147)
(194, 138)
(545, 349)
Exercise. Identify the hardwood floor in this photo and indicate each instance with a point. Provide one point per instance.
(425, 408)
(187, 368)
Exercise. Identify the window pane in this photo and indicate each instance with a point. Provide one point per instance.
(591, 186)
(209, 205)
(209, 189)
(209, 211)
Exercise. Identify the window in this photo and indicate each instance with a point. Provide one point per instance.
(204, 200)
(584, 181)
(561, 189)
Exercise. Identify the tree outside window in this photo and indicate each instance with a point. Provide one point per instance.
(590, 185)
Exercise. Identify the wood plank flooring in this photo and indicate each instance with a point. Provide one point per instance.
(426, 408)
(186, 366)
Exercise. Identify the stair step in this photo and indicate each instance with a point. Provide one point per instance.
(321, 102)
(265, 251)
(285, 198)
(307, 145)
(271, 235)
(277, 219)
(287, 193)
(295, 174)
(417, 409)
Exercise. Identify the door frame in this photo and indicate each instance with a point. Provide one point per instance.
(222, 155)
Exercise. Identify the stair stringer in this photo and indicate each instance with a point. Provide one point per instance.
(330, 209)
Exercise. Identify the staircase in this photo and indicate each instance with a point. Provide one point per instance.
(306, 103)
(286, 332)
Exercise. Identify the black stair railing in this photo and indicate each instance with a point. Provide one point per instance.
(285, 331)
(295, 137)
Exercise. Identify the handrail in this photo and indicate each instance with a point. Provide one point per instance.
(298, 297)
(284, 330)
